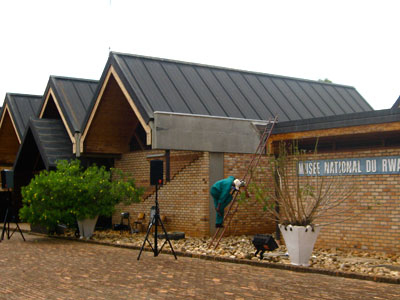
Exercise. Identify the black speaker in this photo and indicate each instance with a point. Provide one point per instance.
(156, 172)
(7, 179)
(264, 242)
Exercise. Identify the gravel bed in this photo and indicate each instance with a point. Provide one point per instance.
(241, 247)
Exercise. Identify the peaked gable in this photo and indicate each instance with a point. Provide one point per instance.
(21, 108)
(71, 97)
(174, 86)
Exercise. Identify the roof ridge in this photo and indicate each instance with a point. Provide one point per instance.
(23, 95)
(168, 60)
(73, 78)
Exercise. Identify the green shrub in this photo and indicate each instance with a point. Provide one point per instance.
(72, 193)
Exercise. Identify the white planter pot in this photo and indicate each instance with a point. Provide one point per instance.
(86, 227)
(299, 242)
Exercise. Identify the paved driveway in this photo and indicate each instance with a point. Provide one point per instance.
(45, 268)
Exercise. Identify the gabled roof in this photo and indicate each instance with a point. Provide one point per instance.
(72, 97)
(396, 105)
(172, 86)
(21, 107)
(50, 138)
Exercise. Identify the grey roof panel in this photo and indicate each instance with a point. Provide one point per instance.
(22, 107)
(235, 94)
(199, 87)
(265, 97)
(306, 99)
(185, 90)
(329, 100)
(316, 99)
(348, 98)
(249, 93)
(166, 86)
(340, 100)
(141, 79)
(364, 105)
(219, 94)
(74, 96)
(293, 98)
(280, 98)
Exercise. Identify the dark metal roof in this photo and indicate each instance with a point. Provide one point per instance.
(396, 105)
(173, 86)
(22, 107)
(74, 96)
(51, 139)
(354, 119)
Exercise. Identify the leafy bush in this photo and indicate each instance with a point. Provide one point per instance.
(71, 193)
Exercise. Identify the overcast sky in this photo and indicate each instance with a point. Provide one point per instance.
(349, 42)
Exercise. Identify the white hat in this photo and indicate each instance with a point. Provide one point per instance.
(238, 183)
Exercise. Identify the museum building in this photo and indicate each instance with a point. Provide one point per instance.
(204, 123)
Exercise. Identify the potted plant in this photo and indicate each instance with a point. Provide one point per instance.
(71, 193)
(300, 204)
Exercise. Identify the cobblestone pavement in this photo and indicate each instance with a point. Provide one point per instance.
(48, 268)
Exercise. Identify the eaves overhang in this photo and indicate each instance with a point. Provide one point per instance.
(369, 118)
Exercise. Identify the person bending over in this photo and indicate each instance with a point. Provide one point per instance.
(222, 192)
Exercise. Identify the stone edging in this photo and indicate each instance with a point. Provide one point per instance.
(244, 261)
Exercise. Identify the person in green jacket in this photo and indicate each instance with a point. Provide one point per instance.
(222, 192)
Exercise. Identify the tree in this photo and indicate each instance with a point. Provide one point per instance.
(72, 193)
(326, 80)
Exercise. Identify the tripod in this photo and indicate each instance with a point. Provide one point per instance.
(155, 220)
(6, 224)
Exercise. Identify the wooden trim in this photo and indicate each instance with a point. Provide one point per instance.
(44, 104)
(12, 121)
(51, 93)
(3, 115)
(351, 130)
(110, 72)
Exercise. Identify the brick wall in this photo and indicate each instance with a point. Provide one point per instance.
(374, 222)
(250, 217)
(183, 201)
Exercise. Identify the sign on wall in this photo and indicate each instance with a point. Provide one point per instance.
(350, 166)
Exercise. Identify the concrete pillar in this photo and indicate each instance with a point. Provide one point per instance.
(216, 172)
